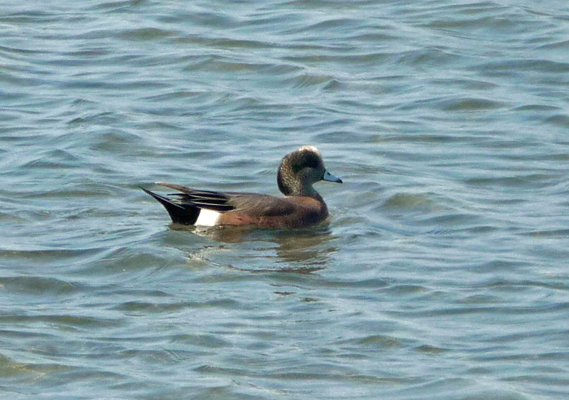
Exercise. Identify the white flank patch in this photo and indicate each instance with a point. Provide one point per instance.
(207, 217)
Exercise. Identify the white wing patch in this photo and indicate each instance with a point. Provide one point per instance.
(207, 218)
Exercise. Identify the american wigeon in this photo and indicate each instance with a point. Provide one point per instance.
(302, 206)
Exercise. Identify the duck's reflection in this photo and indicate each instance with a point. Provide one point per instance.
(297, 250)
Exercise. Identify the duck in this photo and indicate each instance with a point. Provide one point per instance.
(301, 207)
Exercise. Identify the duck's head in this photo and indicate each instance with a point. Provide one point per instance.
(301, 169)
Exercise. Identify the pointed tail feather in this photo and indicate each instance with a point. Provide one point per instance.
(180, 213)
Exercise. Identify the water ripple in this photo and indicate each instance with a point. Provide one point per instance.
(442, 271)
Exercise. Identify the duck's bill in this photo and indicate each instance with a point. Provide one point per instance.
(331, 178)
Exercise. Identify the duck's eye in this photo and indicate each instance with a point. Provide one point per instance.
(310, 161)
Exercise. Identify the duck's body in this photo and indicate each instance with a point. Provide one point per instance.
(302, 206)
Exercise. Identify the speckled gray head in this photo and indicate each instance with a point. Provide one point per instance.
(300, 169)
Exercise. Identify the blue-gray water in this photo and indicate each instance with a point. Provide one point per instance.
(443, 273)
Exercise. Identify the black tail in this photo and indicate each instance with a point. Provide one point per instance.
(180, 213)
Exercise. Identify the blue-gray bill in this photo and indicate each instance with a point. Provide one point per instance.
(331, 178)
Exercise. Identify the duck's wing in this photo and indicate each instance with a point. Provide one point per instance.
(207, 199)
(247, 203)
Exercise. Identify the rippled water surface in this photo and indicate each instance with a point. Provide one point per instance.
(443, 273)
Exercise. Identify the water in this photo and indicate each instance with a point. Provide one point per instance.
(442, 275)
